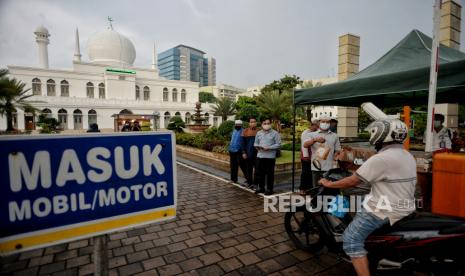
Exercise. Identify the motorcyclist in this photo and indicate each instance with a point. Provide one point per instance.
(392, 175)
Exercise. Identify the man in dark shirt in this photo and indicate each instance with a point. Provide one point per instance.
(249, 153)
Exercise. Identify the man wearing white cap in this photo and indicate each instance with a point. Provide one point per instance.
(235, 151)
(305, 156)
(324, 145)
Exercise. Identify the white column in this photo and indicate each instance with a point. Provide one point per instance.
(20, 118)
(85, 119)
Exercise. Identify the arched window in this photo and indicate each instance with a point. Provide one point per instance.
(90, 90)
(64, 88)
(77, 116)
(165, 94)
(92, 117)
(215, 121)
(167, 119)
(47, 112)
(51, 88)
(207, 118)
(175, 95)
(125, 111)
(36, 87)
(187, 118)
(146, 93)
(137, 93)
(63, 118)
(101, 91)
(183, 95)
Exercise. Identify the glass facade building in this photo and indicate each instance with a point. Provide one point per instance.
(186, 63)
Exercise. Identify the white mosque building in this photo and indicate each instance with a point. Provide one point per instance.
(107, 89)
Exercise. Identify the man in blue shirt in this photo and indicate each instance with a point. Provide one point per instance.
(235, 151)
(267, 142)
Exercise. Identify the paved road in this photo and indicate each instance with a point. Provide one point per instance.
(220, 229)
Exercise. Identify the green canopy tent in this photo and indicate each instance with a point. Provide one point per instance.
(400, 77)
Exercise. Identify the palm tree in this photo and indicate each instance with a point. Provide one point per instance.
(224, 107)
(274, 104)
(13, 95)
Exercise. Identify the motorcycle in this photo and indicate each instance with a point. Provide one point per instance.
(419, 243)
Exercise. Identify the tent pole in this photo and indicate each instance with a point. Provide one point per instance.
(293, 138)
(433, 77)
(407, 123)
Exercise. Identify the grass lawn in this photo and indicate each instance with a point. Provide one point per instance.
(286, 157)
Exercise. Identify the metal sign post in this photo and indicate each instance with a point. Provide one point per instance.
(100, 255)
(433, 77)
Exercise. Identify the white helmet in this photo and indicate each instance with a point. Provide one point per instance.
(387, 130)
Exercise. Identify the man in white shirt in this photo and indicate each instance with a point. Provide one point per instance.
(306, 156)
(392, 175)
(322, 138)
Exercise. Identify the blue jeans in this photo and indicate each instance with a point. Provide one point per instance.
(358, 230)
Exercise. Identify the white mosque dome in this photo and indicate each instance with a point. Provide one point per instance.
(41, 29)
(112, 48)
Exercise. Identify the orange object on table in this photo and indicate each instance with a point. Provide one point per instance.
(449, 184)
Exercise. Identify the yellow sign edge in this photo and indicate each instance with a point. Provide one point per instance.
(83, 231)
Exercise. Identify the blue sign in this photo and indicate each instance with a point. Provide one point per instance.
(57, 188)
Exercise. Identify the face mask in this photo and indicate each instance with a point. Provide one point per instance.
(333, 129)
(266, 127)
(437, 123)
(324, 126)
(238, 127)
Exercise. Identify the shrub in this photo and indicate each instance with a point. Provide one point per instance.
(289, 147)
(176, 124)
(200, 141)
(364, 135)
(220, 149)
(146, 126)
(211, 132)
(47, 124)
(225, 129)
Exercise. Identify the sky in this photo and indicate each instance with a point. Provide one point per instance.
(254, 41)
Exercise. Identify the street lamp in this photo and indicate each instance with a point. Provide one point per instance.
(156, 116)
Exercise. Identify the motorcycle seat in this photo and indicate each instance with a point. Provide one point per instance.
(424, 221)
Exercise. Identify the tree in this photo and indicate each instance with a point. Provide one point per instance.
(247, 112)
(275, 105)
(363, 120)
(244, 101)
(176, 124)
(226, 128)
(206, 97)
(461, 114)
(13, 96)
(286, 83)
(224, 107)
(306, 110)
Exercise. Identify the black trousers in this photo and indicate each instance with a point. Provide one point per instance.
(266, 173)
(236, 161)
(252, 172)
(306, 175)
